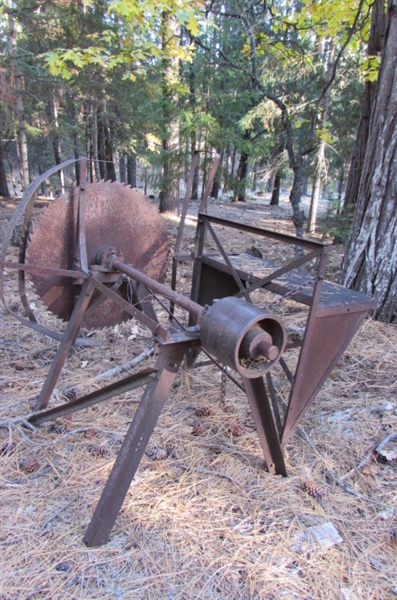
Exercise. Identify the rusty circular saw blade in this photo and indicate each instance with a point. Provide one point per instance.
(116, 216)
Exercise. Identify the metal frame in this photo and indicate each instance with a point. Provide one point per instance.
(334, 316)
(335, 312)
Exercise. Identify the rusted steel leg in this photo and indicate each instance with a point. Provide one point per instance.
(68, 338)
(266, 427)
(134, 445)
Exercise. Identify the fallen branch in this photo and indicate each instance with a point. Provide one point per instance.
(16, 423)
(375, 452)
(126, 366)
(353, 492)
(383, 443)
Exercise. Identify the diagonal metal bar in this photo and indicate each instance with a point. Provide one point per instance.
(188, 194)
(129, 308)
(274, 235)
(208, 187)
(279, 272)
(120, 387)
(82, 241)
(243, 291)
(68, 338)
(286, 370)
(273, 397)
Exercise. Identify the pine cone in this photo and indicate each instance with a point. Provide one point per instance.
(99, 451)
(90, 433)
(237, 429)
(29, 464)
(19, 366)
(198, 429)
(56, 428)
(156, 453)
(314, 489)
(172, 452)
(70, 394)
(205, 411)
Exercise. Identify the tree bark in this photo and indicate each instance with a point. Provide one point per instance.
(109, 162)
(375, 45)
(370, 263)
(298, 214)
(131, 170)
(241, 175)
(3, 179)
(318, 171)
(52, 115)
(123, 169)
(18, 80)
(275, 199)
(320, 157)
(169, 193)
(193, 134)
(217, 181)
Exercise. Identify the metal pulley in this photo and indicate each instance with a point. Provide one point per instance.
(242, 336)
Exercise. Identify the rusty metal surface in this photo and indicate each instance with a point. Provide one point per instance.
(242, 336)
(24, 208)
(325, 341)
(335, 313)
(110, 226)
(157, 287)
(116, 216)
(134, 446)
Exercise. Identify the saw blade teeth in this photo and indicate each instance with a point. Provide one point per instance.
(117, 216)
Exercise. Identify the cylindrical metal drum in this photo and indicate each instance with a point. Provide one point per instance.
(242, 336)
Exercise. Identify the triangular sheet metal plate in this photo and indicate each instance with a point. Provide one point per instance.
(325, 341)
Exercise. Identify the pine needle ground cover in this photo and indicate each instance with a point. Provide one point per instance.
(202, 519)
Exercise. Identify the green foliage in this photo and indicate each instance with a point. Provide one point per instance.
(370, 68)
(109, 61)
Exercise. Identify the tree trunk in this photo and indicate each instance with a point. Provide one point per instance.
(320, 158)
(169, 193)
(375, 45)
(298, 214)
(100, 139)
(123, 169)
(318, 171)
(241, 178)
(18, 81)
(217, 181)
(52, 114)
(370, 263)
(242, 172)
(131, 170)
(276, 189)
(3, 179)
(193, 134)
(233, 165)
(109, 162)
(75, 142)
(89, 140)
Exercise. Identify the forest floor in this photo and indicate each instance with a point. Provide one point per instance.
(202, 519)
